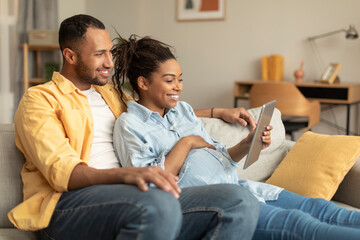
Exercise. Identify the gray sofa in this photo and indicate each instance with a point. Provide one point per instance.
(11, 161)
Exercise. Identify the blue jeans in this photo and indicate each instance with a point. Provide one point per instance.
(296, 217)
(124, 212)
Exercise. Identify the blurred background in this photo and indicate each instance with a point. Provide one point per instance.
(213, 54)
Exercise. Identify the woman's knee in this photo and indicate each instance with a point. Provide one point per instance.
(238, 195)
(232, 198)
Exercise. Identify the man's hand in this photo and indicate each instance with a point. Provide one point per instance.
(84, 176)
(141, 176)
(232, 115)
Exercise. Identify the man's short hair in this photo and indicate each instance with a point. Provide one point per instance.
(73, 29)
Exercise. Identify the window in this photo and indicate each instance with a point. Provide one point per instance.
(8, 51)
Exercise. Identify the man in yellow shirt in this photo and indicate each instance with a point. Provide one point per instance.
(74, 187)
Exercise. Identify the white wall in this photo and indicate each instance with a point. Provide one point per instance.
(214, 54)
(67, 8)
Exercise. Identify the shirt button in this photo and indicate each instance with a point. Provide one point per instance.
(172, 128)
(220, 159)
(229, 177)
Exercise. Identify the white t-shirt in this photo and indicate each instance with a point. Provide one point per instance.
(102, 154)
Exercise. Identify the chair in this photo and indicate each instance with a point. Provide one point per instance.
(298, 112)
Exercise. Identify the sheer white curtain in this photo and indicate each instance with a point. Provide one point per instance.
(16, 18)
(8, 18)
(33, 14)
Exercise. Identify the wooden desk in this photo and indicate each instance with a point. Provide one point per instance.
(341, 94)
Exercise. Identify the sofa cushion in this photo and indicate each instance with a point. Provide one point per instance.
(15, 234)
(269, 159)
(349, 189)
(11, 162)
(317, 164)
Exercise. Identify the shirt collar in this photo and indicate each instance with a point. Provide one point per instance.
(144, 113)
(64, 84)
(172, 110)
(108, 93)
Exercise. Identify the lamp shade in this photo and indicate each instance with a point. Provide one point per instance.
(351, 33)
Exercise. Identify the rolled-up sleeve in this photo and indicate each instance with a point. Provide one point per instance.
(41, 136)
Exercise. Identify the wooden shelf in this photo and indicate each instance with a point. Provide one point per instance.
(36, 80)
(43, 48)
(38, 49)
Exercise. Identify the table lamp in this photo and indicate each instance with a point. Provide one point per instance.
(350, 33)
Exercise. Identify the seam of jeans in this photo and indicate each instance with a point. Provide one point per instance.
(96, 205)
(297, 236)
(335, 222)
(141, 222)
(218, 226)
(219, 212)
(202, 209)
(47, 234)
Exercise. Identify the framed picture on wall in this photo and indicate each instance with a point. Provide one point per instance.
(190, 10)
(330, 74)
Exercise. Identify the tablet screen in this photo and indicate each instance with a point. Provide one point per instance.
(256, 144)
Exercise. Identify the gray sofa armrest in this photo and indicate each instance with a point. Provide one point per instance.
(349, 190)
(11, 162)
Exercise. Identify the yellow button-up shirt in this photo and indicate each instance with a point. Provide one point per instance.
(54, 130)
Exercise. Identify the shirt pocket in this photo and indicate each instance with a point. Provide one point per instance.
(187, 127)
(160, 139)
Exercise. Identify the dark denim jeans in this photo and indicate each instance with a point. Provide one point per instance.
(124, 212)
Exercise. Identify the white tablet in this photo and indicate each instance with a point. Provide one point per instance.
(256, 144)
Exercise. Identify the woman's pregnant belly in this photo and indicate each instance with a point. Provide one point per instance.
(203, 167)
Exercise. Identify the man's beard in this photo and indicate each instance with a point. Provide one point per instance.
(85, 74)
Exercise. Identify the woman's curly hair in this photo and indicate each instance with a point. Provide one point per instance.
(137, 57)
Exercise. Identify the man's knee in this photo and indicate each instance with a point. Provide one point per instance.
(162, 208)
(155, 215)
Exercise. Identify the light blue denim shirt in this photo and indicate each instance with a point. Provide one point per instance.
(144, 138)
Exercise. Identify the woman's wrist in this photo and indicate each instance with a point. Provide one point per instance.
(186, 142)
(240, 150)
(217, 113)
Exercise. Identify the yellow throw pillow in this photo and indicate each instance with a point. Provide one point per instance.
(316, 164)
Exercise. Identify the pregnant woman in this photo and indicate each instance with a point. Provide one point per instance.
(160, 130)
